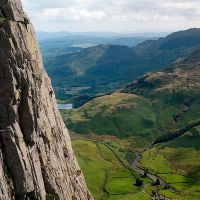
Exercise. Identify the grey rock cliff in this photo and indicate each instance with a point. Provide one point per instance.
(36, 158)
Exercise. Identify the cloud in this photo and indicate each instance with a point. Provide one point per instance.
(61, 15)
(54, 14)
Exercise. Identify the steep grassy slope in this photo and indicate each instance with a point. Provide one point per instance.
(119, 114)
(155, 104)
(174, 93)
(106, 68)
(156, 116)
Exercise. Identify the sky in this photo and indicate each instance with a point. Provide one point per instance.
(113, 15)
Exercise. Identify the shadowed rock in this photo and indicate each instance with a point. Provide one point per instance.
(36, 158)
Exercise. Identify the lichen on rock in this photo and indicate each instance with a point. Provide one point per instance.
(36, 158)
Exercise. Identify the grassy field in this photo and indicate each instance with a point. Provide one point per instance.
(121, 115)
(133, 119)
(177, 196)
(155, 161)
(177, 162)
(179, 166)
(100, 167)
(159, 105)
(135, 196)
(108, 179)
(106, 176)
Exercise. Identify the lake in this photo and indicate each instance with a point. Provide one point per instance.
(65, 106)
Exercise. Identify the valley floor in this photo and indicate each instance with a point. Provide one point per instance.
(114, 172)
(142, 142)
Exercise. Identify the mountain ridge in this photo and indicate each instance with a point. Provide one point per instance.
(105, 68)
(152, 125)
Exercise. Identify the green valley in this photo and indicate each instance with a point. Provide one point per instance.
(105, 175)
(143, 139)
(87, 73)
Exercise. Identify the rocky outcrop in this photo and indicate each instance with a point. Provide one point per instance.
(36, 158)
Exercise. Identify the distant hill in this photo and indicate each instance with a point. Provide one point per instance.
(62, 43)
(181, 75)
(101, 63)
(93, 71)
(167, 49)
(42, 35)
(105, 68)
(153, 123)
(156, 103)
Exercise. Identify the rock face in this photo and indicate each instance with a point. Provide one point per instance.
(36, 158)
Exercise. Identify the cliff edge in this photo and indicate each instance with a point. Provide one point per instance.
(36, 158)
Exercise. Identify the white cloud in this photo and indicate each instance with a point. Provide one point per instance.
(112, 14)
(71, 15)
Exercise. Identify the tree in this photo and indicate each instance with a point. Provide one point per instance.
(139, 182)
